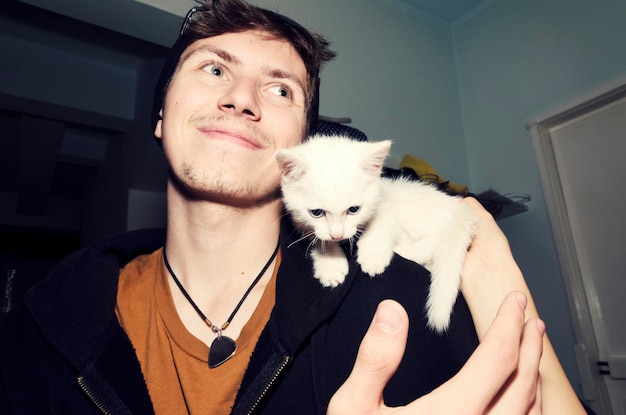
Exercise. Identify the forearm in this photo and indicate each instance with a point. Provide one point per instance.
(483, 293)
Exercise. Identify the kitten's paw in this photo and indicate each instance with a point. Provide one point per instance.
(373, 263)
(373, 256)
(331, 271)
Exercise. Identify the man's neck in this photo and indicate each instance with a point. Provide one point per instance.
(213, 241)
(216, 252)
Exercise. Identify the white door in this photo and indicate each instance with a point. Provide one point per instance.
(582, 154)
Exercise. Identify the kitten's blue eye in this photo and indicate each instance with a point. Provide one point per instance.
(316, 213)
(353, 210)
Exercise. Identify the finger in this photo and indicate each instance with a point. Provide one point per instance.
(521, 390)
(492, 363)
(526, 379)
(538, 404)
(378, 358)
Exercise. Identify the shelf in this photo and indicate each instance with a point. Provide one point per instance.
(502, 206)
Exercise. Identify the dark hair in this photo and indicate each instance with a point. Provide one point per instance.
(215, 17)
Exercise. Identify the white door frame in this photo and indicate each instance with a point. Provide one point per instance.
(594, 391)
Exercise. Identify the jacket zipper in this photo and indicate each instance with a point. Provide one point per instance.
(270, 383)
(95, 399)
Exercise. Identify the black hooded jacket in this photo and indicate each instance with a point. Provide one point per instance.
(63, 352)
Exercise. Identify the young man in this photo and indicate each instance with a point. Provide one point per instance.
(221, 314)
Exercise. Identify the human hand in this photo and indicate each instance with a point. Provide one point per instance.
(501, 376)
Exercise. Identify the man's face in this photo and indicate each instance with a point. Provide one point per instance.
(232, 102)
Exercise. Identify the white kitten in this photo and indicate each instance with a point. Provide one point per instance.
(333, 190)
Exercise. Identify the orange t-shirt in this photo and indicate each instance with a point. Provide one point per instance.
(174, 362)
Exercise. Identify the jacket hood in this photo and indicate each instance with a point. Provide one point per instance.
(74, 305)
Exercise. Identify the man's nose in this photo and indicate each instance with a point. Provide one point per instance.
(242, 98)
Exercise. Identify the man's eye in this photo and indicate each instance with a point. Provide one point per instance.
(316, 213)
(214, 69)
(281, 91)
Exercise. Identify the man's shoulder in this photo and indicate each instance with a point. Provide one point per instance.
(136, 241)
(120, 249)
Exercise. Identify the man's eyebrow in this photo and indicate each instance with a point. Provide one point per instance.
(211, 49)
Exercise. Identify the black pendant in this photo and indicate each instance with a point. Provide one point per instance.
(222, 349)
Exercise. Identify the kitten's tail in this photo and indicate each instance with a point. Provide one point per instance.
(446, 266)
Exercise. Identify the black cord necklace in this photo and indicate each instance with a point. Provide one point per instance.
(223, 347)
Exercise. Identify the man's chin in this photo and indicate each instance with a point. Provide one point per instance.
(241, 198)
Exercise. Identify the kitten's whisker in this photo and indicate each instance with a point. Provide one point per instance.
(311, 243)
(355, 238)
(303, 237)
(352, 242)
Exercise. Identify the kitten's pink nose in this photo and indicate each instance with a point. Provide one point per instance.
(337, 236)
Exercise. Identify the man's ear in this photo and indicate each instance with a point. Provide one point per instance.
(158, 133)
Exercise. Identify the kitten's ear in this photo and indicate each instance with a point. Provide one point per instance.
(378, 153)
(290, 165)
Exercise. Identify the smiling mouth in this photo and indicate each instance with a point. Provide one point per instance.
(231, 136)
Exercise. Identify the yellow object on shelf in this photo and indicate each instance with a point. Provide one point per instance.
(426, 173)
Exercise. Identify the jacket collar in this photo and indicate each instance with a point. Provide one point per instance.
(75, 304)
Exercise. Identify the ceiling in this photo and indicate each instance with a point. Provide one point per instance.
(448, 10)
(122, 15)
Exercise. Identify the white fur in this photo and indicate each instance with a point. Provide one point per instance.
(410, 218)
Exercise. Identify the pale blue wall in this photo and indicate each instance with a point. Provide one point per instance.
(517, 60)
(395, 77)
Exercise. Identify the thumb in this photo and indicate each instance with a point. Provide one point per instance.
(378, 358)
